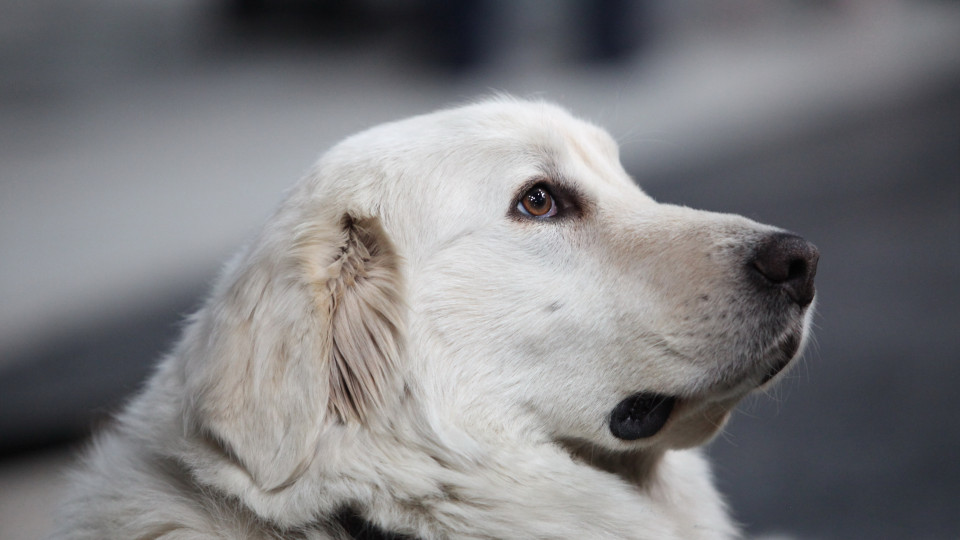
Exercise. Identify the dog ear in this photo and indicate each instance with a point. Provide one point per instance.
(304, 332)
(359, 294)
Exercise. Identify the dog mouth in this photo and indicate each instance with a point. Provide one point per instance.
(786, 351)
(641, 415)
(644, 414)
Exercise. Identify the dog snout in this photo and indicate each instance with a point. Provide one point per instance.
(787, 262)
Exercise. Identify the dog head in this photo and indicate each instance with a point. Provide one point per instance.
(497, 266)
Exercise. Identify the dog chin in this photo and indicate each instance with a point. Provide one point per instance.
(652, 420)
(689, 422)
(696, 421)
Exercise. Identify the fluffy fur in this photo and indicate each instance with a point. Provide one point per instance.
(402, 340)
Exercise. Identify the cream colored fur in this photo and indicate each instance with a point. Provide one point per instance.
(399, 340)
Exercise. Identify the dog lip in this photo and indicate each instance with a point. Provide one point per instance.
(640, 416)
(775, 370)
(786, 350)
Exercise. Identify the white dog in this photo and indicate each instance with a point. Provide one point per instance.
(468, 324)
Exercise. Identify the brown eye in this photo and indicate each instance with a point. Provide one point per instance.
(537, 202)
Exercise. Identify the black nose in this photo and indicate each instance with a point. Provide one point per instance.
(788, 262)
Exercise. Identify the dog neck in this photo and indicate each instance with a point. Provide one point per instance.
(635, 467)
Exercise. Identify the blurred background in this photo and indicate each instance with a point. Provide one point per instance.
(142, 142)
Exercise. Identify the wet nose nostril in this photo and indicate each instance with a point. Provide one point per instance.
(788, 262)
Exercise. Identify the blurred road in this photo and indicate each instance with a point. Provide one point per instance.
(139, 146)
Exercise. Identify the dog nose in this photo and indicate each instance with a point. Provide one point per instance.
(788, 262)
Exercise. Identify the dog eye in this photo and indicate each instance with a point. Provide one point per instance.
(537, 202)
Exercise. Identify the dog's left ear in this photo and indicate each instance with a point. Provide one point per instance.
(303, 333)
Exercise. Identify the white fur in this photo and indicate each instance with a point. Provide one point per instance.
(399, 340)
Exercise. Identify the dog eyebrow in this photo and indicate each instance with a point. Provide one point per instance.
(582, 152)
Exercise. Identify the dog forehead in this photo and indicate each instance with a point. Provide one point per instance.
(466, 164)
(538, 129)
(500, 135)
(512, 142)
